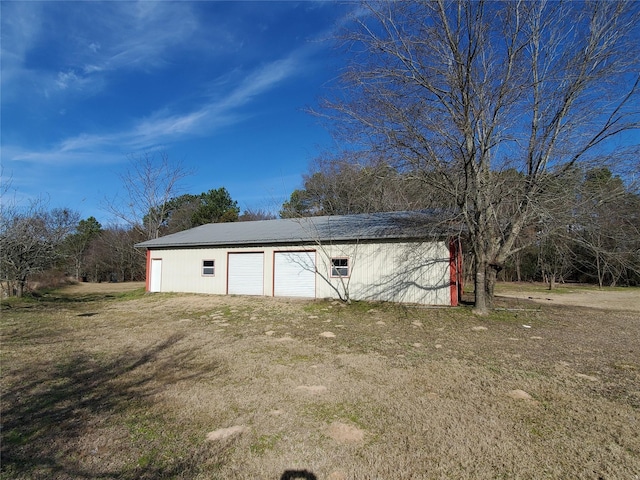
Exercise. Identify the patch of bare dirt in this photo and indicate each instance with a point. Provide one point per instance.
(344, 433)
(628, 300)
(105, 287)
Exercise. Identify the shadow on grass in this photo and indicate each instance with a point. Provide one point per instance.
(298, 475)
(58, 296)
(53, 413)
(54, 298)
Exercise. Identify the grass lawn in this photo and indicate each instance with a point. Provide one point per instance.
(98, 383)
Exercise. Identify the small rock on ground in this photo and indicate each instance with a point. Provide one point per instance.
(286, 338)
(519, 395)
(478, 329)
(328, 334)
(223, 433)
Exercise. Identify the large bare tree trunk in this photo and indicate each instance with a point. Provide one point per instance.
(490, 283)
(481, 302)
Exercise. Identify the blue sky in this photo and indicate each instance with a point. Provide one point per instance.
(220, 86)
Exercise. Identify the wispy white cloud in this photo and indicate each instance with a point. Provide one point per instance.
(102, 55)
(77, 98)
(72, 80)
(60, 156)
(121, 36)
(262, 80)
(163, 126)
(21, 22)
(126, 36)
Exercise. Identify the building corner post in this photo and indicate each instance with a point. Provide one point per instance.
(148, 272)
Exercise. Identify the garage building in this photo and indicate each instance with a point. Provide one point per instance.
(398, 256)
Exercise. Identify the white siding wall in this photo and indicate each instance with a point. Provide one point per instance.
(401, 272)
(182, 270)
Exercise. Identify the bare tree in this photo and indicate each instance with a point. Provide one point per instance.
(458, 92)
(149, 183)
(111, 256)
(30, 241)
(349, 183)
(337, 277)
(77, 244)
(254, 214)
(608, 219)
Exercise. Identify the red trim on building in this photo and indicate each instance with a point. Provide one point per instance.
(455, 270)
(460, 270)
(148, 274)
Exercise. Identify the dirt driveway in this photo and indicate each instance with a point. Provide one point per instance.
(88, 288)
(608, 299)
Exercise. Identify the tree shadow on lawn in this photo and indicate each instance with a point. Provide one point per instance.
(50, 408)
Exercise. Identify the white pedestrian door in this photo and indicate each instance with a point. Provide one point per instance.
(246, 274)
(295, 274)
(156, 275)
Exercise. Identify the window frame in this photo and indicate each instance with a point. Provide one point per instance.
(212, 267)
(335, 273)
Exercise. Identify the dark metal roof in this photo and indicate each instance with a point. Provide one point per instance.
(337, 228)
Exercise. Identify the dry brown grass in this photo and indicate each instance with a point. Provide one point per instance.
(127, 385)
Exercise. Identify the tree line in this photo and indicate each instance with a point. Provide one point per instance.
(593, 235)
(43, 246)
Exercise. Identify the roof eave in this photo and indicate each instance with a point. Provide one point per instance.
(273, 242)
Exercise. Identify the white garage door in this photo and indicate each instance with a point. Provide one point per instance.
(295, 274)
(246, 274)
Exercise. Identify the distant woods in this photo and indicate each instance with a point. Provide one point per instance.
(589, 230)
(353, 184)
(41, 247)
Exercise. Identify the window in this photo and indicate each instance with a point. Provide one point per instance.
(208, 268)
(339, 267)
